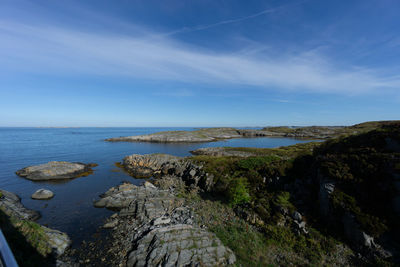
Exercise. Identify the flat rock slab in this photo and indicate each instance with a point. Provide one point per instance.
(42, 194)
(11, 205)
(55, 170)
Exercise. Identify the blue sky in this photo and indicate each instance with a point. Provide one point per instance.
(198, 63)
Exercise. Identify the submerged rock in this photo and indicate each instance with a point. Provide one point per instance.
(56, 170)
(11, 205)
(42, 194)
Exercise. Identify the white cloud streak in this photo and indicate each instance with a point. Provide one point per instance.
(48, 50)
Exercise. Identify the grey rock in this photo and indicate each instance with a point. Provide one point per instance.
(161, 220)
(42, 194)
(179, 245)
(325, 190)
(58, 241)
(297, 216)
(145, 166)
(110, 224)
(55, 170)
(11, 205)
(157, 230)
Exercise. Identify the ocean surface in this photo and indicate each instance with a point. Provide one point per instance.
(71, 210)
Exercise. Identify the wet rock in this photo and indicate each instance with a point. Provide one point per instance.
(11, 205)
(42, 194)
(56, 170)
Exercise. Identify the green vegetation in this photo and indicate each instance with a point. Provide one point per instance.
(27, 240)
(239, 191)
(283, 152)
(266, 245)
(260, 187)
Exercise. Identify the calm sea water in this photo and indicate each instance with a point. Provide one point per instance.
(71, 210)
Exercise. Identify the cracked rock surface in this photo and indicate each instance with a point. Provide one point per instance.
(154, 228)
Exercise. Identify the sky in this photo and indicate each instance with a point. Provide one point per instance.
(199, 63)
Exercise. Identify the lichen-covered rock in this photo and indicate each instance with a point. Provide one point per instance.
(56, 170)
(11, 205)
(42, 194)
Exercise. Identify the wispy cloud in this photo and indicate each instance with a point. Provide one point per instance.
(41, 49)
(235, 20)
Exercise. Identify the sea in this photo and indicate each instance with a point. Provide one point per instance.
(71, 210)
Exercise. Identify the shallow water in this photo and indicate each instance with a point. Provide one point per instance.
(71, 210)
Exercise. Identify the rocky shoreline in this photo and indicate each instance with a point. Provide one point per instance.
(238, 206)
(49, 242)
(216, 134)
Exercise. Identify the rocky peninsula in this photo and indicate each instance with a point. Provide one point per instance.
(216, 134)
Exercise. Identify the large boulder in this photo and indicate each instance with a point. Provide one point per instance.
(11, 205)
(56, 170)
(41, 194)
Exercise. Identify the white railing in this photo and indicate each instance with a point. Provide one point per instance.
(7, 257)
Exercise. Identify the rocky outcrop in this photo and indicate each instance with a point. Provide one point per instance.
(42, 194)
(11, 205)
(179, 245)
(147, 165)
(159, 165)
(55, 170)
(154, 228)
